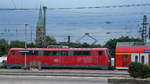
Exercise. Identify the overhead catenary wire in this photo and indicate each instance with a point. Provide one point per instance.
(94, 7)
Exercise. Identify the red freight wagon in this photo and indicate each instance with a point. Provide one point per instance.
(127, 52)
(60, 57)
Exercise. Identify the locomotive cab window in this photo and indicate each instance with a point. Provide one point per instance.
(12, 52)
(100, 53)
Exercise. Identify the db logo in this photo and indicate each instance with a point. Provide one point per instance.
(55, 60)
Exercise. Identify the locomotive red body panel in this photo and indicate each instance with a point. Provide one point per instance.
(131, 52)
(60, 57)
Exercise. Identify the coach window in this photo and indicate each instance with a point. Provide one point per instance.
(142, 60)
(125, 57)
(100, 53)
(12, 52)
(136, 58)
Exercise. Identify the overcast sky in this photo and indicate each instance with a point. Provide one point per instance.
(78, 21)
(65, 3)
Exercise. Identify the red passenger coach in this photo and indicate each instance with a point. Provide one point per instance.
(60, 57)
(127, 52)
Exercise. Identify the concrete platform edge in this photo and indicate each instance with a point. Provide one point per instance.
(128, 81)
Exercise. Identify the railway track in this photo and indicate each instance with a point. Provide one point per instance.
(75, 73)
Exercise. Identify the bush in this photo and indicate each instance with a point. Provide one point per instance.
(139, 70)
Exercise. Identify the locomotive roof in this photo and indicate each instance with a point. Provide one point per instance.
(59, 48)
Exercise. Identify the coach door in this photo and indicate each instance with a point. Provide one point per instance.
(140, 57)
(144, 58)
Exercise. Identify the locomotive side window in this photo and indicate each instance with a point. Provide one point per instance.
(70, 53)
(81, 53)
(31, 53)
(12, 52)
(55, 53)
(40, 53)
(47, 53)
(100, 53)
(58, 53)
(35, 53)
(64, 53)
(125, 57)
(51, 53)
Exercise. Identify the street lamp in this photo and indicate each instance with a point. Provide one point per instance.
(25, 63)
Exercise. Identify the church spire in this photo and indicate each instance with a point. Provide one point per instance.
(40, 22)
(40, 29)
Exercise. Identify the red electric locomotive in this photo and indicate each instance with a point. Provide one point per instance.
(60, 57)
(127, 52)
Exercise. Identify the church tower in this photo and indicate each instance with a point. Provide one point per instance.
(40, 31)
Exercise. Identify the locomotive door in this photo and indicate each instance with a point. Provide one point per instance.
(94, 57)
(13, 54)
(140, 57)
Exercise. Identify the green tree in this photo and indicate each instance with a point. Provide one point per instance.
(49, 41)
(39, 43)
(31, 45)
(97, 46)
(79, 45)
(3, 47)
(17, 44)
(86, 45)
(72, 44)
(111, 44)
